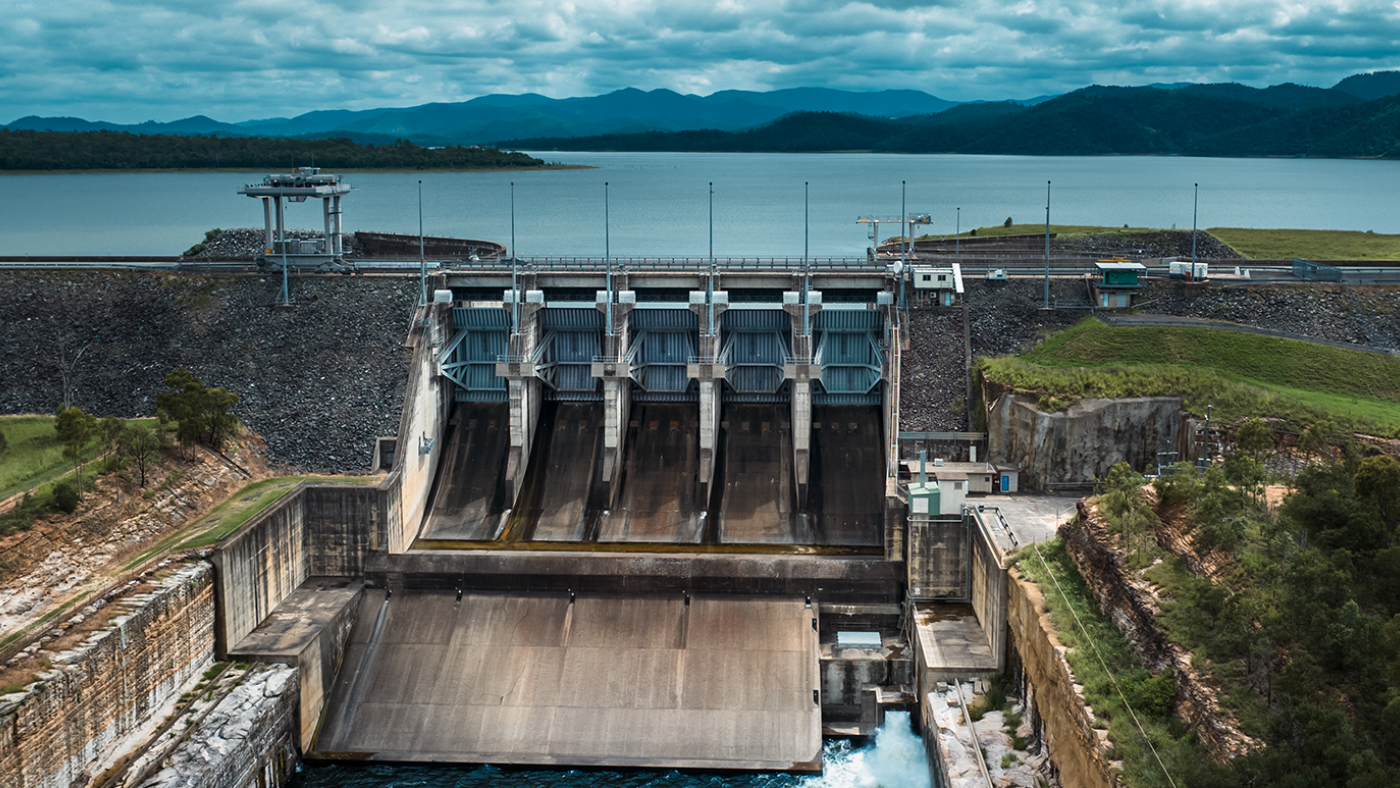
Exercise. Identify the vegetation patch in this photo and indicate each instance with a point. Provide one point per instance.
(1114, 679)
(1309, 244)
(244, 505)
(1241, 374)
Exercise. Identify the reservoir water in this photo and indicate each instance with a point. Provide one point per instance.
(658, 203)
(894, 760)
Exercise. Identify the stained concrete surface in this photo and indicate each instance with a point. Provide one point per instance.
(658, 501)
(847, 497)
(469, 499)
(757, 503)
(951, 642)
(649, 681)
(1031, 518)
(562, 477)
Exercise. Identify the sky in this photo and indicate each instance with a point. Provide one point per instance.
(129, 61)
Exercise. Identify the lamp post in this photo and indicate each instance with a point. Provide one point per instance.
(1195, 201)
(957, 235)
(904, 243)
(806, 267)
(514, 269)
(422, 260)
(607, 261)
(1047, 244)
(710, 295)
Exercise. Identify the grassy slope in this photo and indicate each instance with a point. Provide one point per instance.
(243, 506)
(1241, 374)
(35, 456)
(1061, 230)
(1309, 244)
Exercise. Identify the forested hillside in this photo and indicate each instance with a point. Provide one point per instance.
(114, 150)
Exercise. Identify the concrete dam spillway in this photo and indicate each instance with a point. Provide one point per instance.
(629, 520)
(651, 423)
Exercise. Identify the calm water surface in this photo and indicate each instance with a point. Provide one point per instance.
(894, 760)
(658, 203)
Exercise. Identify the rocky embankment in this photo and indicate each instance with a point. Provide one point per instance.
(1007, 318)
(1158, 243)
(246, 242)
(319, 382)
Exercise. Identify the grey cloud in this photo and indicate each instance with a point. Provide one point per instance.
(255, 58)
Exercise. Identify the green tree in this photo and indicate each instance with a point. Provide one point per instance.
(76, 430)
(4, 444)
(1255, 439)
(107, 431)
(1378, 480)
(201, 414)
(141, 446)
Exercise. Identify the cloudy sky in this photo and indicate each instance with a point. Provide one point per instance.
(135, 60)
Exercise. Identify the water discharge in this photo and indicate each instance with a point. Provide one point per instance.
(894, 760)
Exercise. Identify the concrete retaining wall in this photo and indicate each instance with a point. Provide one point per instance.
(938, 558)
(247, 741)
(316, 530)
(85, 710)
(1076, 446)
(1076, 748)
(427, 402)
(258, 567)
(989, 591)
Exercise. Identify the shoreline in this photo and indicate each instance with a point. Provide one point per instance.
(149, 171)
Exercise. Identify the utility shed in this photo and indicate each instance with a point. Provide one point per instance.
(937, 285)
(1116, 281)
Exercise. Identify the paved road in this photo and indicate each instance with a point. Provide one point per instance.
(1032, 518)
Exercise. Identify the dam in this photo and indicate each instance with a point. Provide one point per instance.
(630, 519)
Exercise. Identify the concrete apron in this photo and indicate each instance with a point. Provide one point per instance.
(677, 681)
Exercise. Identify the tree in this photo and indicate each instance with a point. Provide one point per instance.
(1378, 480)
(1255, 438)
(140, 445)
(107, 430)
(75, 430)
(4, 444)
(201, 414)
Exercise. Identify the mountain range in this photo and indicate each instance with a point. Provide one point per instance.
(1160, 118)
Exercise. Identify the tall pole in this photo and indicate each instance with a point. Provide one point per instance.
(903, 244)
(710, 296)
(806, 270)
(422, 259)
(1047, 244)
(607, 260)
(957, 236)
(1195, 202)
(514, 269)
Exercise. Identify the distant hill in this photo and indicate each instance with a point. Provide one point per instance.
(1377, 84)
(497, 117)
(1165, 118)
(1208, 120)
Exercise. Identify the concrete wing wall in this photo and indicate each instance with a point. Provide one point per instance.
(258, 567)
(1078, 445)
(427, 401)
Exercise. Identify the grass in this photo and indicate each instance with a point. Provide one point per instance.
(1309, 244)
(35, 456)
(1097, 653)
(1240, 373)
(244, 505)
(1060, 230)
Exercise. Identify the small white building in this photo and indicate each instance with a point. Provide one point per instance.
(934, 284)
(980, 477)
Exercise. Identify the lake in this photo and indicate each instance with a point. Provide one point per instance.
(658, 203)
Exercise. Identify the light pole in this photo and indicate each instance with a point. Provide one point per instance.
(957, 236)
(607, 262)
(1047, 244)
(514, 269)
(422, 260)
(904, 243)
(806, 267)
(710, 295)
(1195, 201)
